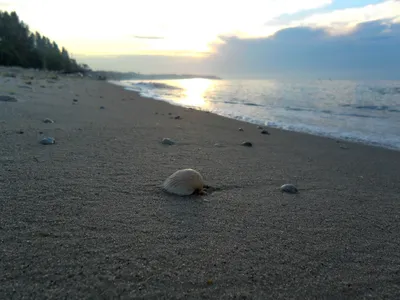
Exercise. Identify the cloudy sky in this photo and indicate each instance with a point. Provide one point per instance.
(256, 38)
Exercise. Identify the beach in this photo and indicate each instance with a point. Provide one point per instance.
(86, 218)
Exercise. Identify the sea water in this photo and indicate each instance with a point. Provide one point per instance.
(362, 111)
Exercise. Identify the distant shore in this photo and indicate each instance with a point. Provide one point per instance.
(86, 218)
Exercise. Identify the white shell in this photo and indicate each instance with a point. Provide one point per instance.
(184, 182)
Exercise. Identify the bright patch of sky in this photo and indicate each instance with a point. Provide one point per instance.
(182, 27)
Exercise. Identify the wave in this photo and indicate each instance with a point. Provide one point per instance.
(329, 112)
(386, 90)
(238, 102)
(372, 107)
(155, 85)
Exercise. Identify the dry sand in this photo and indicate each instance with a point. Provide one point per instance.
(86, 218)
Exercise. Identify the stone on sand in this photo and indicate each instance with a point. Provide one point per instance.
(247, 144)
(5, 98)
(289, 188)
(167, 141)
(47, 120)
(48, 141)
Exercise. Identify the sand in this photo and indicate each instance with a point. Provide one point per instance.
(86, 218)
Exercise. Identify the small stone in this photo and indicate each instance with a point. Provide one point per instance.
(156, 113)
(259, 127)
(5, 98)
(12, 75)
(169, 114)
(20, 132)
(264, 131)
(343, 147)
(43, 86)
(218, 145)
(247, 144)
(102, 107)
(48, 141)
(167, 141)
(178, 118)
(47, 120)
(289, 188)
(28, 82)
(240, 129)
(40, 132)
(209, 282)
(75, 100)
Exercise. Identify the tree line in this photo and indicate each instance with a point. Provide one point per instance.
(20, 47)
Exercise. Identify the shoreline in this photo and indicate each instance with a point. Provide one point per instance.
(338, 139)
(243, 119)
(86, 217)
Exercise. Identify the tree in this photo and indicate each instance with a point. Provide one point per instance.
(20, 47)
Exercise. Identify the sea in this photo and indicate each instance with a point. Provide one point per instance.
(362, 111)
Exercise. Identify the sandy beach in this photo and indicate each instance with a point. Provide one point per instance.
(85, 218)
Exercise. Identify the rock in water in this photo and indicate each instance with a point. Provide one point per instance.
(47, 120)
(247, 144)
(184, 183)
(167, 141)
(289, 188)
(48, 141)
(264, 131)
(5, 98)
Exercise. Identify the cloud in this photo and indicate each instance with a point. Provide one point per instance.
(344, 20)
(148, 37)
(370, 50)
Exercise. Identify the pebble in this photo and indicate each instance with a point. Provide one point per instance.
(247, 144)
(259, 127)
(178, 118)
(167, 141)
(240, 129)
(289, 188)
(5, 98)
(264, 131)
(47, 120)
(102, 107)
(48, 141)
(75, 100)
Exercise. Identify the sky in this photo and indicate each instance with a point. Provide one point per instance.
(252, 38)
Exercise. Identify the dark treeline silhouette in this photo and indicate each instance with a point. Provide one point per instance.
(20, 47)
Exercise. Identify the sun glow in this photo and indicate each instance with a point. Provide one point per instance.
(195, 90)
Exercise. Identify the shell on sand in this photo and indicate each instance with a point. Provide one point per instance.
(184, 182)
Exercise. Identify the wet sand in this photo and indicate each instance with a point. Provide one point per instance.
(86, 218)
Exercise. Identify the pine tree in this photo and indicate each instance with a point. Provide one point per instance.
(20, 47)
